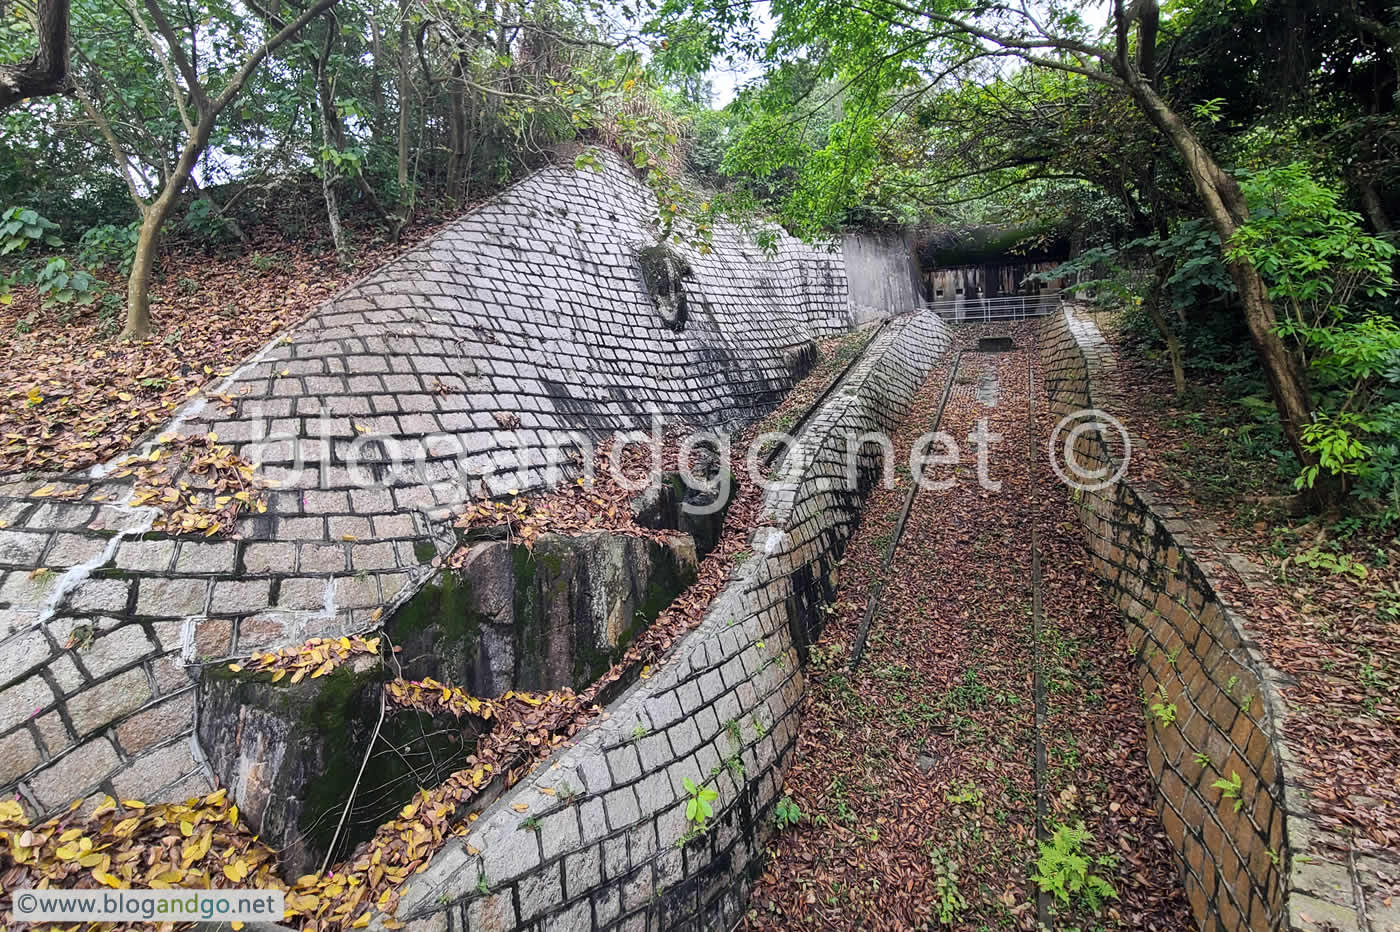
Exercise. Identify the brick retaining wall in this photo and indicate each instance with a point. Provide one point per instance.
(1245, 869)
(522, 320)
(610, 855)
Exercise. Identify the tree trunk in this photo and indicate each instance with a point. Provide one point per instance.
(46, 73)
(138, 284)
(405, 63)
(1226, 209)
(1153, 304)
(342, 248)
(1375, 210)
(330, 142)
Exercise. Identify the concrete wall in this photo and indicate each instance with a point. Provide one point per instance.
(1255, 868)
(612, 856)
(521, 321)
(882, 274)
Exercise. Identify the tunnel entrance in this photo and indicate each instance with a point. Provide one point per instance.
(998, 344)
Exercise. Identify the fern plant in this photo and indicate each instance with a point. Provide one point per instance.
(1063, 869)
(1230, 789)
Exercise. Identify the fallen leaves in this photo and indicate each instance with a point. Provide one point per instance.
(203, 843)
(314, 658)
(1337, 637)
(220, 485)
(72, 395)
(602, 504)
(434, 698)
(919, 765)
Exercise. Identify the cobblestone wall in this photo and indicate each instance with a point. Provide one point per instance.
(1215, 709)
(452, 370)
(611, 851)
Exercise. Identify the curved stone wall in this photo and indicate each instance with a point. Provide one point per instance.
(1244, 852)
(469, 364)
(611, 850)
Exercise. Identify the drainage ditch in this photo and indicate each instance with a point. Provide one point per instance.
(972, 705)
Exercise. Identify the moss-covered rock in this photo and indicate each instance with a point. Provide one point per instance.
(289, 752)
(581, 600)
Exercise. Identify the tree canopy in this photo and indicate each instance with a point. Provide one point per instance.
(1211, 162)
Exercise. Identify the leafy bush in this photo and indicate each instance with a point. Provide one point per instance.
(110, 245)
(1064, 869)
(20, 226)
(203, 219)
(61, 283)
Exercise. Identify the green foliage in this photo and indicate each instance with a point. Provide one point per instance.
(60, 283)
(1334, 563)
(109, 245)
(21, 227)
(786, 814)
(1164, 712)
(204, 220)
(1230, 789)
(632, 114)
(966, 792)
(699, 807)
(950, 904)
(1064, 869)
(1313, 254)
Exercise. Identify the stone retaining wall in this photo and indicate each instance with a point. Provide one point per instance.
(610, 850)
(469, 357)
(1214, 706)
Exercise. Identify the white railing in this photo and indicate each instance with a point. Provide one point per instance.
(1006, 307)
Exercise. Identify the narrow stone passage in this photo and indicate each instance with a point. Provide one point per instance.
(915, 773)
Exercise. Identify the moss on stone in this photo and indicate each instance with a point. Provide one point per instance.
(439, 622)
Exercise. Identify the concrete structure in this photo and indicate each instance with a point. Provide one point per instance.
(617, 852)
(881, 273)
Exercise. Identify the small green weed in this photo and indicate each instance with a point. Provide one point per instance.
(786, 814)
(699, 808)
(945, 881)
(1230, 789)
